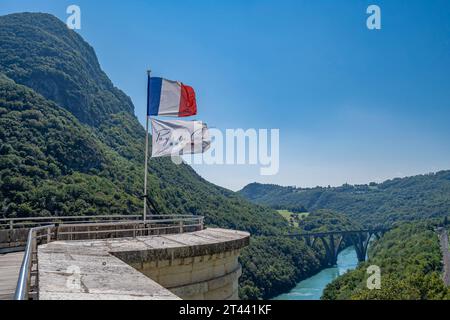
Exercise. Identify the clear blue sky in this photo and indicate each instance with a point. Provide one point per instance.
(352, 105)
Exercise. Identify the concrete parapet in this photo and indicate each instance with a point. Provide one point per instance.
(197, 265)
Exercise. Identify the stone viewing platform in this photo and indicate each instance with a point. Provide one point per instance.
(193, 265)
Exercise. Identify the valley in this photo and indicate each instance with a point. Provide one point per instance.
(409, 254)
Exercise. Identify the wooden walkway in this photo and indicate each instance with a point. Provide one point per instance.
(9, 272)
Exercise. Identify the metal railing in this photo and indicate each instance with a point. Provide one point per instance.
(132, 229)
(24, 288)
(30, 222)
(19, 223)
(154, 225)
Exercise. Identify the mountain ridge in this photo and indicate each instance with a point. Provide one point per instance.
(399, 199)
(61, 63)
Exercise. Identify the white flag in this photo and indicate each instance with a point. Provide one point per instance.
(177, 137)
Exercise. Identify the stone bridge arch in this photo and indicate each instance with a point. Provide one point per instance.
(332, 241)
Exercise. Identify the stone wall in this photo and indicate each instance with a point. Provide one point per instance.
(213, 276)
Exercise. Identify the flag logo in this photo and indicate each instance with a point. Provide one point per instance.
(178, 137)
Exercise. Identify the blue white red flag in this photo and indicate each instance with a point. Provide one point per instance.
(170, 98)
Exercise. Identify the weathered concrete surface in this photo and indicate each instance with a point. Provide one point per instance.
(103, 269)
(9, 272)
(205, 269)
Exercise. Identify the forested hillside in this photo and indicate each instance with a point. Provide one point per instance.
(400, 199)
(52, 165)
(410, 262)
(37, 50)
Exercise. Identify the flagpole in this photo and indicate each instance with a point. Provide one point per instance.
(146, 146)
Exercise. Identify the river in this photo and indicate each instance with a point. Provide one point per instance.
(312, 287)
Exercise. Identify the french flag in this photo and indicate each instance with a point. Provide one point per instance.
(170, 98)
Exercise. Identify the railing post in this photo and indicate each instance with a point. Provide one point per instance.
(49, 236)
(181, 226)
(201, 223)
(11, 222)
(33, 246)
(28, 284)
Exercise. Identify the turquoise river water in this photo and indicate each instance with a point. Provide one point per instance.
(312, 287)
